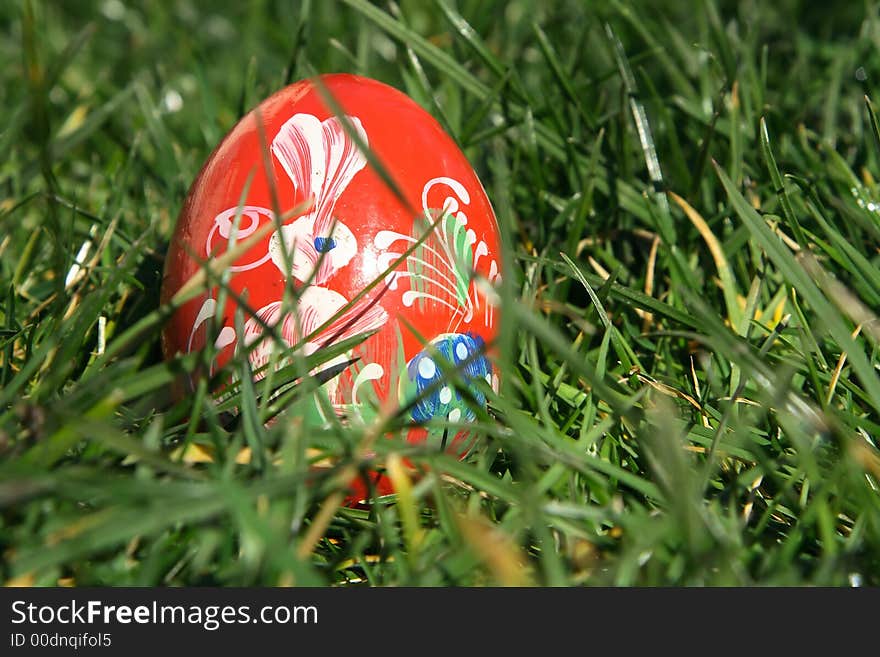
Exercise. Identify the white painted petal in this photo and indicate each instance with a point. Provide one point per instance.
(342, 161)
(253, 331)
(316, 305)
(370, 372)
(321, 159)
(206, 311)
(341, 254)
(299, 147)
(299, 239)
(225, 338)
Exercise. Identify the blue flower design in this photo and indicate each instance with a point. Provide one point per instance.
(464, 351)
(324, 244)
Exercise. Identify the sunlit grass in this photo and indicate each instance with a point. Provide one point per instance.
(689, 342)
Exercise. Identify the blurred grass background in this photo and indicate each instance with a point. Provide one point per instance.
(687, 192)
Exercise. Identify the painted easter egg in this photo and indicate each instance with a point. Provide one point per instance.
(411, 269)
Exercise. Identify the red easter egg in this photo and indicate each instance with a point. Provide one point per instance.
(436, 303)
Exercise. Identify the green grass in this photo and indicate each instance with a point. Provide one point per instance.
(688, 198)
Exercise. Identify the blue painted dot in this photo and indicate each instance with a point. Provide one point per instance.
(324, 244)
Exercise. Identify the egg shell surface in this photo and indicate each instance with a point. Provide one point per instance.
(433, 310)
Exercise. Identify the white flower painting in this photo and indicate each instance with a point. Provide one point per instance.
(320, 159)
